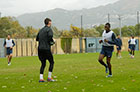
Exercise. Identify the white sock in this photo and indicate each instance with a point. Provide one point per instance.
(50, 75)
(41, 76)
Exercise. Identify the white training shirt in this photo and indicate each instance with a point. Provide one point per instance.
(133, 41)
(107, 36)
(9, 43)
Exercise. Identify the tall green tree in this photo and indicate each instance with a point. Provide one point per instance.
(100, 29)
(91, 33)
(31, 32)
(76, 32)
(9, 25)
(57, 33)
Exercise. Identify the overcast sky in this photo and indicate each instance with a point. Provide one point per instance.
(18, 7)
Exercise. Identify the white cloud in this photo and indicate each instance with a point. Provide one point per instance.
(17, 7)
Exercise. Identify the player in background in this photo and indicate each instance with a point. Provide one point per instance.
(9, 44)
(119, 47)
(132, 45)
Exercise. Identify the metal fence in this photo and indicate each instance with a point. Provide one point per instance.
(92, 44)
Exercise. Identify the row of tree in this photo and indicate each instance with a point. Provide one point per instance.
(75, 32)
(96, 31)
(9, 25)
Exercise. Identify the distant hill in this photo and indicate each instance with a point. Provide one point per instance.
(93, 16)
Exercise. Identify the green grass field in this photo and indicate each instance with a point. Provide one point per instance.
(74, 73)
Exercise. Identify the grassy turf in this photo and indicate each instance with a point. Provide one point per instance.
(74, 72)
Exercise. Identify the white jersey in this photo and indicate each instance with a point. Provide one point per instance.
(9, 43)
(133, 41)
(107, 36)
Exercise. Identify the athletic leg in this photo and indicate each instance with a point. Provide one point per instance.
(101, 57)
(117, 53)
(133, 52)
(42, 58)
(129, 50)
(43, 65)
(9, 62)
(10, 57)
(109, 65)
(120, 53)
(51, 62)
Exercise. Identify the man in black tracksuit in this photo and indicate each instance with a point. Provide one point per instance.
(45, 39)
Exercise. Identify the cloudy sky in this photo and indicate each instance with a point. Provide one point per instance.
(18, 7)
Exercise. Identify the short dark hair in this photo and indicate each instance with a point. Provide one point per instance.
(108, 24)
(46, 21)
(132, 36)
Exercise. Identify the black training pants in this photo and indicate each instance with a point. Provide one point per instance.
(43, 56)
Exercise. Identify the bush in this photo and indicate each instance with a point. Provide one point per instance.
(66, 44)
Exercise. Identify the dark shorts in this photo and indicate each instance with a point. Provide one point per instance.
(45, 55)
(107, 51)
(119, 48)
(9, 51)
(132, 47)
(129, 46)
